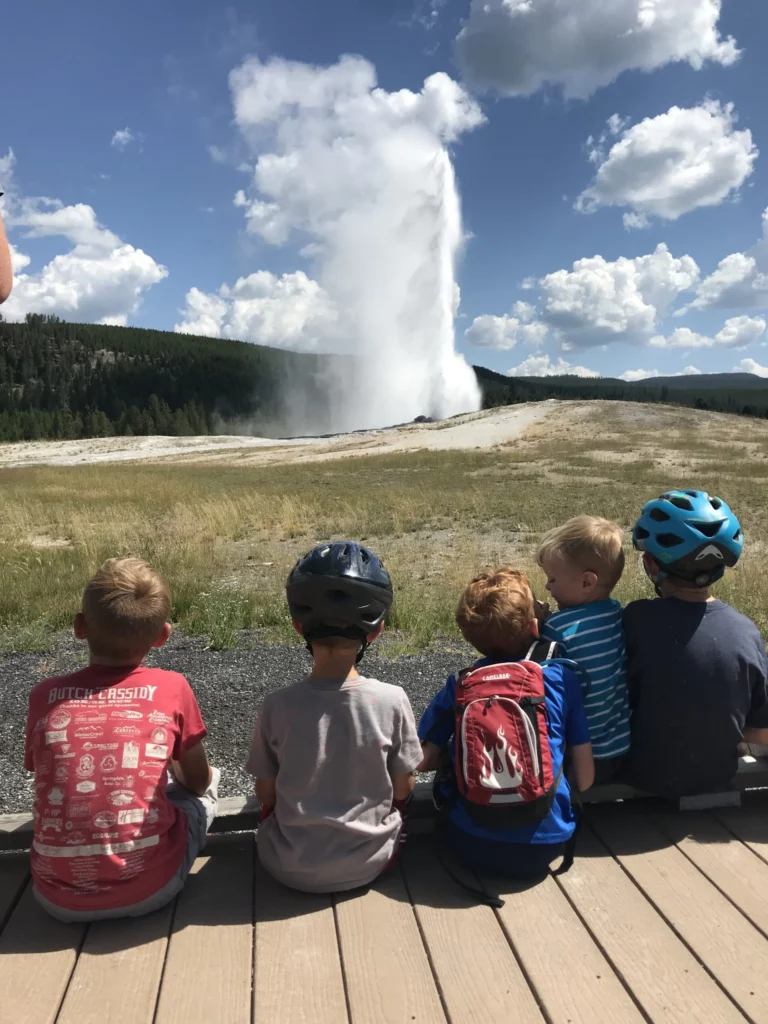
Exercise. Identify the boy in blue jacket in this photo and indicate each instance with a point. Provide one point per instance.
(497, 615)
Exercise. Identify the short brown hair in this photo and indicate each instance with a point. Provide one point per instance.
(588, 542)
(495, 613)
(125, 606)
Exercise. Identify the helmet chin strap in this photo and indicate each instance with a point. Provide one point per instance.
(704, 579)
(347, 632)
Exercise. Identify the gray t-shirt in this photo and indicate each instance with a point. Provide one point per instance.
(331, 748)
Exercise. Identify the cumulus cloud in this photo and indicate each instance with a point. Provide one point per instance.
(517, 46)
(362, 179)
(291, 311)
(634, 375)
(543, 366)
(737, 332)
(100, 279)
(504, 332)
(123, 138)
(599, 301)
(668, 165)
(750, 366)
(740, 280)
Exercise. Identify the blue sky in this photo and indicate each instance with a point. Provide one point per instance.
(682, 159)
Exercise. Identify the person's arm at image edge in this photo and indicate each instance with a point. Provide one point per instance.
(582, 766)
(577, 739)
(6, 272)
(192, 770)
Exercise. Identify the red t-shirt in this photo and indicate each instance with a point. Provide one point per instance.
(99, 742)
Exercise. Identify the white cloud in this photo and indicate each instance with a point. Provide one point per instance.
(600, 301)
(635, 221)
(504, 332)
(291, 311)
(750, 366)
(100, 279)
(524, 311)
(518, 46)
(740, 281)
(668, 165)
(362, 179)
(543, 366)
(738, 332)
(634, 375)
(123, 138)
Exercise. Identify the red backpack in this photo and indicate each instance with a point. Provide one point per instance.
(503, 763)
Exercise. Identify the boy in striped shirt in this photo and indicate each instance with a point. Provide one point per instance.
(583, 561)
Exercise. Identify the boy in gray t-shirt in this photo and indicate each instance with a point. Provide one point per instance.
(334, 754)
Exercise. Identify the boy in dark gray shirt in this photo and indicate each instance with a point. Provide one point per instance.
(696, 667)
(334, 754)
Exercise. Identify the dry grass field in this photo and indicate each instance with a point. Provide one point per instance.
(226, 531)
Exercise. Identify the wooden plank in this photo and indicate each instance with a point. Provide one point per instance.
(210, 954)
(37, 956)
(387, 972)
(750, 827)
(665, 978)
(485, 979)
(14, 872)
(726, 862)
(572, 978)
(120, 965)
(297, 960)
(718, 934)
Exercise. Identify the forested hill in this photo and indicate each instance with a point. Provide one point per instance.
(62, 380)
(743, 393)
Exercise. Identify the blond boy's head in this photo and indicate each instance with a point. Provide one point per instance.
(583, 560)
(496, 613)
(126, 608)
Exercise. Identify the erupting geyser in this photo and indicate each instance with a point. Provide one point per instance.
(365, 176)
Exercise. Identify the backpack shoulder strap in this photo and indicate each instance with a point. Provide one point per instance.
(542, 650)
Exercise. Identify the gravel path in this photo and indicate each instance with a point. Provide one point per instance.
(229, 685)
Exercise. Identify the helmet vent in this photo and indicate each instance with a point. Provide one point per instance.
(659, 515)
(641, 533)
(738, 537)
(679, 502)
(668, 540)
(336, 596)
(716, 503)
(693, 494)
(708, 529)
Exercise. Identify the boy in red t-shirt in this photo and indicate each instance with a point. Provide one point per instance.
(112, 837)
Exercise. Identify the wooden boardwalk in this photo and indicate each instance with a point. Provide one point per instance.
(663, 918)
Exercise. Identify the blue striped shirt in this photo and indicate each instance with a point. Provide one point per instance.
(592, 636)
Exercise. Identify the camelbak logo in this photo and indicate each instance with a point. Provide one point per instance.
(710, 549)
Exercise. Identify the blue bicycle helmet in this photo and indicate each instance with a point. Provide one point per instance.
(692, 536)
(339, 589)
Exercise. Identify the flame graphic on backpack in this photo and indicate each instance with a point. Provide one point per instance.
(504, 774)
(496, 774)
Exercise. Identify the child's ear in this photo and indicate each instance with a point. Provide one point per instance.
(650, 565)
(589, 580)
(79, 628)
(297, 626)
(162, 636)
(533, 629)
(376, 633)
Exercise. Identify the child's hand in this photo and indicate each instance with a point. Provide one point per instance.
(542, 611)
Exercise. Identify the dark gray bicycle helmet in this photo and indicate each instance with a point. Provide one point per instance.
(339, 589)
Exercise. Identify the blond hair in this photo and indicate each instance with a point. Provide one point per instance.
(495, 613)
(589, 543)
(125, 606)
